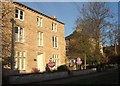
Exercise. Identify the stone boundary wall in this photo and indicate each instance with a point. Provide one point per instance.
(75, 73)
(32, 78)
(36, 77)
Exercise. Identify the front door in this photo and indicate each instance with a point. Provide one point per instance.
(40, 62)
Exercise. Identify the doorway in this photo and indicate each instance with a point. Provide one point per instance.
(40, 62)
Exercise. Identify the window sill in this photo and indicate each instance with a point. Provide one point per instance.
(19, 19)
(40, 46)
(19, 42)
(40, 26)
(21, 69)
(56, 48)
(54, 31)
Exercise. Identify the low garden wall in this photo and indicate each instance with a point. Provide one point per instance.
(37, 77)
(31, 78)
(75, 73)
(23, 79)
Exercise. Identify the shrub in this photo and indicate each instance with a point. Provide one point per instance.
(100, 67)
(47, 68)
(62, 68)
(35, 70)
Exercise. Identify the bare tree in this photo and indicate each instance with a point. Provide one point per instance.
(7, 14)
(93, 20)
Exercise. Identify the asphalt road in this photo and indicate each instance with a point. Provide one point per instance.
(106, 77)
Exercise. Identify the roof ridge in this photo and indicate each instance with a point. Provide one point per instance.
(37, 12)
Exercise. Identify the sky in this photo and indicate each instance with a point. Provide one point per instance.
(65, 12)
(68, 0)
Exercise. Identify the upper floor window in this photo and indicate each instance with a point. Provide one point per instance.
(54, 27)
(19, 34)
(55, 41)
(39, 21)
(19, 14)
(40, 39)
(16, 13)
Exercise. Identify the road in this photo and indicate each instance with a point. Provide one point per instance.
(106, 77)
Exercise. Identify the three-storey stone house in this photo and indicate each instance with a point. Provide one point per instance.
(38, 39)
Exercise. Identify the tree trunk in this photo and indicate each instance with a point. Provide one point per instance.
(115, 49)
(85, 61)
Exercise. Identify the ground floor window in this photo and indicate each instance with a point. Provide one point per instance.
(54, 59)
(20, 60)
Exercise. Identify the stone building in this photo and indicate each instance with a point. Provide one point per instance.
(37, 39)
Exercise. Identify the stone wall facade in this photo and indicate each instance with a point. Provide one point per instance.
(30, 44)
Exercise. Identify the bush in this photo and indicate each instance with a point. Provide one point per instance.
(9, 72)
(35, 70)
(47, 68)
(73, 67)
(62, 68)
(91, 66)
(100, 67)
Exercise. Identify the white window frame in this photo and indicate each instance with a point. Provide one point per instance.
(18, 36)
(16, 59)
(40, 38)
(56, 60)
(22, 36)
(19, 14)
(55, 41)
(22, 15)
(39, 21)
(54, 27)
(23, 61)
(20, 60)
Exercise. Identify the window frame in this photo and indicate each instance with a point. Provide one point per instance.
(39, 21)
(20, 60)
(56, 60)
(54, 27)
(18, 36)
(55, 42)
(40, 38)
(19, 14)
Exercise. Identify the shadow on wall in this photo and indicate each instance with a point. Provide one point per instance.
(6, 72)
(0, 72)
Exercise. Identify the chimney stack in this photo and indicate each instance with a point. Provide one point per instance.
(54, 17)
